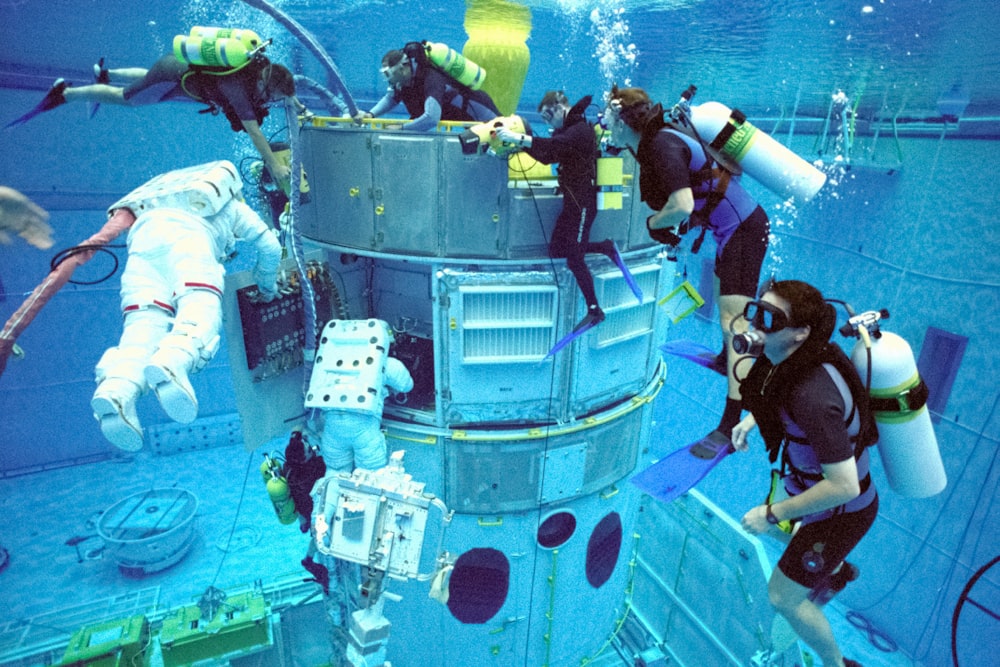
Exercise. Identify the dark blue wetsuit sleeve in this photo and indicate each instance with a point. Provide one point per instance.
(817, 406)
(435, 87)
(667, 160)
(576, 143)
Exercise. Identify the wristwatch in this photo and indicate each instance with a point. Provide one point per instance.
(771, 519)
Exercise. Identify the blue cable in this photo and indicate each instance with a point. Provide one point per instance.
(876, 637)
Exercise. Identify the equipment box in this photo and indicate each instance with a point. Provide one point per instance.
(239, 627)
(118, 643)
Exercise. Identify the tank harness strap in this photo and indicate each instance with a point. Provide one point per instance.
(787, 469)
(724, 135)
(801, 476)
(910, 400)
(716, 196)
(711, 171)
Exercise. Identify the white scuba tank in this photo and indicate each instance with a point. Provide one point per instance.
(759, 155)
(907, 444)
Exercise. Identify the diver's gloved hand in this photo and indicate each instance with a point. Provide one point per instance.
(516, 138)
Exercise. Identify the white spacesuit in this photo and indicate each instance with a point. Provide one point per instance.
(350, 381)
(187, 223)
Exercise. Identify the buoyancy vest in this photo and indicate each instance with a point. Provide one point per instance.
(800, 467)
(712, 185)
(208, 81)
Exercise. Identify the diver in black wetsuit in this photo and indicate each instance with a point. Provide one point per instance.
(812, 410)
(573, 145)
(429, 94)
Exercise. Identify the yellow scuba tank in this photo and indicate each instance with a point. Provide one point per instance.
(278, 491)
(610, 183)
(250, 39)
(216, 47)
(455, 64)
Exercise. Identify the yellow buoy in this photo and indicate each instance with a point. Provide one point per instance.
(498, 31)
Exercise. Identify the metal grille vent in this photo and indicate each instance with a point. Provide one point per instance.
(626, 318)
(507, 324)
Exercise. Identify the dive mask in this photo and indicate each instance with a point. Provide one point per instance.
(765, 317)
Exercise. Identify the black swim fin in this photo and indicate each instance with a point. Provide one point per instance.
(54, 98)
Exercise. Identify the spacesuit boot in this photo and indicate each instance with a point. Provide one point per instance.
(114, 408)
(167, 375)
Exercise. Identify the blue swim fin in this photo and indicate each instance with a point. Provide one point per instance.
(591, 320)
(52, 99)
(626, 274)
(696, 352)
(678, 472)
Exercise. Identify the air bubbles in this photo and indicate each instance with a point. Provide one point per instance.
(615, 53)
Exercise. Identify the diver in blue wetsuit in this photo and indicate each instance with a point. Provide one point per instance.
(686, 190)
(429, 94)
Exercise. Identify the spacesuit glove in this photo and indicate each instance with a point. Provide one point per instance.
(267, 288)
(509, 137)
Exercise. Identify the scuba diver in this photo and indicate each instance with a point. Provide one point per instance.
(812, 409)
(573, 145)
(187, 223)
(684, 190)
(242, 92)
(429, 93)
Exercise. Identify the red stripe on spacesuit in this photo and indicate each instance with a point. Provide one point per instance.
(159, 304)
(205, 286)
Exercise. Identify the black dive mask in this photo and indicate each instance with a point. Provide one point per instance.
(766, 317)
